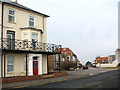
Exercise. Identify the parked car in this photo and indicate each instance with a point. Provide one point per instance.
(85, 67)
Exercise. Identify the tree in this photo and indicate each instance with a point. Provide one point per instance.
(118, 64)
(66, 65)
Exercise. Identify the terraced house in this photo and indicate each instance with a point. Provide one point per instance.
(24, 47)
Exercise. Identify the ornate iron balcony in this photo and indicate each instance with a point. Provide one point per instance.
(14, 44)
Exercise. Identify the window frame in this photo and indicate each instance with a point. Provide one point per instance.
(25, 40)
(32, 21)
(36, 40)
(10, 64)
(13, 16)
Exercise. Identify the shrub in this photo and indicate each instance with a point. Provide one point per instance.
(66, 65)
(118, 64)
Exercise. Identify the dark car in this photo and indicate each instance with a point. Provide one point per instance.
(85, 67)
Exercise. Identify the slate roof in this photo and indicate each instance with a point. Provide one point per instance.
(9, 2)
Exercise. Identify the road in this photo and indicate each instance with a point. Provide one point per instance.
(102, 80)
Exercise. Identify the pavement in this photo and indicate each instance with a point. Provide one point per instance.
(71, 75)
(100, 81)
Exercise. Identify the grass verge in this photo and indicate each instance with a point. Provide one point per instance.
(113, 67)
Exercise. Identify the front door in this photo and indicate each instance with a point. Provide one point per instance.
(35, 67)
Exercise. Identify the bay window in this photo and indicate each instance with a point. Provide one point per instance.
(34, 40)
(25, 40)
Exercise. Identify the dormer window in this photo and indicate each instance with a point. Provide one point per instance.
(11, 15)
(31, 21)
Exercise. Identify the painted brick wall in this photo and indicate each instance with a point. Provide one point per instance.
(27, 78)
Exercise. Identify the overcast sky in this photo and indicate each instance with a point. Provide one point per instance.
(88, 27)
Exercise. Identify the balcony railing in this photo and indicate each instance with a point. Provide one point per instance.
(14, 44)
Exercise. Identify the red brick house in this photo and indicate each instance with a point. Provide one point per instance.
(102, 60)
(67, 56)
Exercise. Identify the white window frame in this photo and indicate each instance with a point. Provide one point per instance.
(30, 16)
(57, 57)
(10, 64)
(13, 21)
(36, 39)
(25, 39)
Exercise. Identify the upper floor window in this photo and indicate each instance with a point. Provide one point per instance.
(31, 21)
(10, 39)
(34, 40)
(11, 15)
(26, 39)
(57, 57)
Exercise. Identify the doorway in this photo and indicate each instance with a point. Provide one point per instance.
(35, 65)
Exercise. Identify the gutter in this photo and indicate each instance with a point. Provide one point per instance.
(2, 40)
(28, 9)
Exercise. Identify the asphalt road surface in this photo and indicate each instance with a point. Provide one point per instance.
(102, 80)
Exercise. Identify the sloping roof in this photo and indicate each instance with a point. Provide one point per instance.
(9, 2)
(65, 50)
(101, 58)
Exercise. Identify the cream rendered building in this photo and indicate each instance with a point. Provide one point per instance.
(24, 41)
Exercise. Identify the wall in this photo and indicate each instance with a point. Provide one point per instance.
(18, 65)
(44, 58)
(0, 35)
(117, 54)
(0, 65)
(22, 20)
(30, 63)
(0, 16)
(111, 58)
(119, 24)
(28, 78)
(106, 65)
(51, 62)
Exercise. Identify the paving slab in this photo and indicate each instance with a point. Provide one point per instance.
(71, 75)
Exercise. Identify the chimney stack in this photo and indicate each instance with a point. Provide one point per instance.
(16, 1)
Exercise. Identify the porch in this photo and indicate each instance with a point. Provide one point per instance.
(21, 47)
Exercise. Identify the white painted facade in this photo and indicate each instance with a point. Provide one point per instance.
(30, 64)
(22, 21)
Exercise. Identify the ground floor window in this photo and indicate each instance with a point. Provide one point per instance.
(10, 64)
